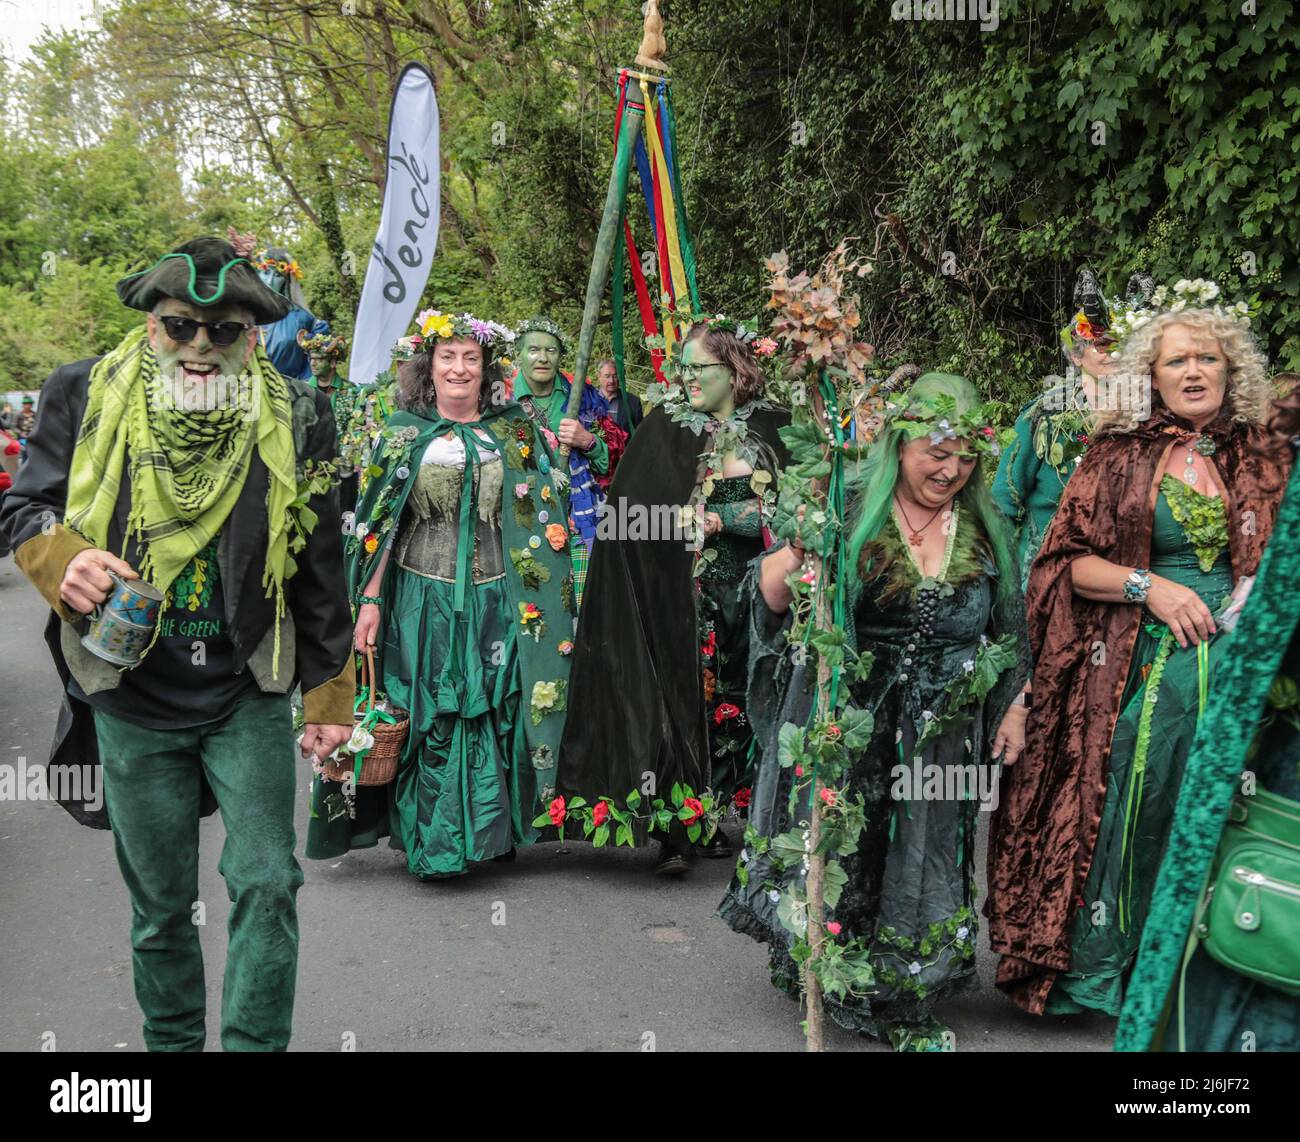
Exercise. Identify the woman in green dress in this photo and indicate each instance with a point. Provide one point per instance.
(936, 609)
(460, 571)
(1052, 430)
(1164, 515)
(1179, 997)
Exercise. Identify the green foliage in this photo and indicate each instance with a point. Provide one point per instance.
(979, 170)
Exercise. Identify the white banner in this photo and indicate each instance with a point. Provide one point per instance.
(408, 229)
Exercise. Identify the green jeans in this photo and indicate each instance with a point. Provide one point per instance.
(152, 784)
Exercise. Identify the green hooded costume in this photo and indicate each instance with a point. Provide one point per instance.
(475, 633)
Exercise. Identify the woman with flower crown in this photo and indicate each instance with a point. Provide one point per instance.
(1168, 512)
(659, 673)
(462, 580)
(938, 622)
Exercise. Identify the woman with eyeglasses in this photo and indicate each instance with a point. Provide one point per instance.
(461, 576)
(657, 712)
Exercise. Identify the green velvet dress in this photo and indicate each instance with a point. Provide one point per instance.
(473, 648)
(724, 632)
(1033, 472)
(1153, 736)
(1247, 726)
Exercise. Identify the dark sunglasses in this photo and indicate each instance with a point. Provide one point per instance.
(183, 329)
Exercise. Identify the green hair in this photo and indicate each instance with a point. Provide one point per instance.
(873, 490)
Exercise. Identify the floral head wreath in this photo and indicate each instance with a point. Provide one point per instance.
(433, 324)
(746, 332)
(325, 345)
(540, 325)
(260, 261)
(937, 418)
(1198, 293)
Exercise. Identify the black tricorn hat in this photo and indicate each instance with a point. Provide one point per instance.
(203, 272)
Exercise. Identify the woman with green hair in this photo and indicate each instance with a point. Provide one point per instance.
(934, 600)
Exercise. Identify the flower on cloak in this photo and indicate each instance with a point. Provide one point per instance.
(696, 808)
(546, 492)
(525, 451)
(969, 666)
(710, 684)
(521, 491)
(764, 347)
(834, 927)
(927, 715)
(963, 932)
(710, 647)
(599, 812)
(773, 895)
(828, 797)
(724, 713)
(551, 439)
(547, 698)
(741, 799)
(529, 612)
(556, 812)
(556, 536)
(566, 647)
(371, 544)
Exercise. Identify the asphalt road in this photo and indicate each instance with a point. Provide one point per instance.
(563, 950)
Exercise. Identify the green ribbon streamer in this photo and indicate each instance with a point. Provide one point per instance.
(1137, 775)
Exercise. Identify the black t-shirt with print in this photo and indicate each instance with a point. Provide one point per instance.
(188, 677)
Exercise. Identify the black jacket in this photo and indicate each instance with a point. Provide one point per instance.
(316, 597)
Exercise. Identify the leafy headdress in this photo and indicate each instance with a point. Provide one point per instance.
(944, 407)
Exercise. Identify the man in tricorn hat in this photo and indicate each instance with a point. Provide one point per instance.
(179, 458)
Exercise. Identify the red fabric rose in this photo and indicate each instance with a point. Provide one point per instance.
(724, 713)
(827, 796)
(741, 799)
(600, 812)
(710, 647)
(833, 927)
(556, 811)
(696, 809)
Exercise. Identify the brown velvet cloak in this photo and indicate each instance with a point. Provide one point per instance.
(1043, 836)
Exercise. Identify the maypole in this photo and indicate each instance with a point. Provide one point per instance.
(645, 134)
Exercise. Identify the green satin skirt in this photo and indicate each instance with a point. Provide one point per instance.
(465, 783)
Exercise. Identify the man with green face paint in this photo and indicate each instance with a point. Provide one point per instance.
(183, 458)
(595, 440)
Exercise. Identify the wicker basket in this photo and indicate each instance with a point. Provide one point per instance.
(379, 766)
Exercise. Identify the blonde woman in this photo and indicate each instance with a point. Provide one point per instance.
(1169, 510)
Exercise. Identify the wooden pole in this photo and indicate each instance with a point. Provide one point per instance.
(606, 236)
(815, 882)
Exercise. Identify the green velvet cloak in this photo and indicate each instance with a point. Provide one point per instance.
(535, 571)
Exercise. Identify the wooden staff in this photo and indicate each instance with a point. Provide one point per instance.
(815, 881)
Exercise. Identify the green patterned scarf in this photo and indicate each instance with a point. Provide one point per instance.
(187, 466)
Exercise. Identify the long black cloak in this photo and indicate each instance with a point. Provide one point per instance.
(636, 692)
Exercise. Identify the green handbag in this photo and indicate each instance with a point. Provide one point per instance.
(1249, 919)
